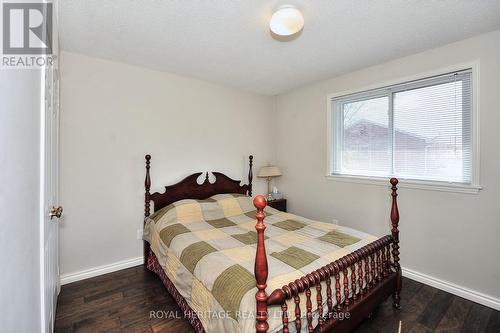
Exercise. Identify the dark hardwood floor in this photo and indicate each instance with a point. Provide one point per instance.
(122, 301)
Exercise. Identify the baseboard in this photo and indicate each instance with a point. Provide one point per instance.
(454, 289)
(100, 270)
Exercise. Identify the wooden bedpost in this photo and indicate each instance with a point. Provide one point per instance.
(250, 175)
(395, 244)
(261, 266)
(147, 203)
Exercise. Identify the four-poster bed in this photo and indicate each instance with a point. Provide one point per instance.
(344, 291)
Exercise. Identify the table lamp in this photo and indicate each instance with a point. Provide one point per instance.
(269, 172)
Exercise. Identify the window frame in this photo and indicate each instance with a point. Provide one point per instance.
(376, 90)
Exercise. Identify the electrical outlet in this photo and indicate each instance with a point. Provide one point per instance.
(336, 222)
(139, 234)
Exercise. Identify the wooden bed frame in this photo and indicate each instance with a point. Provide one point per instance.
(374, 268)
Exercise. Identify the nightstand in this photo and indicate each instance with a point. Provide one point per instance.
(279, 204)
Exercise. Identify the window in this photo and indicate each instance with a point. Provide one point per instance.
(419, 130)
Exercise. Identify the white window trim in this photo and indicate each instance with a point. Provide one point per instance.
(472, 188)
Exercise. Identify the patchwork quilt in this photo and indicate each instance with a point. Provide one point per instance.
(207, 249)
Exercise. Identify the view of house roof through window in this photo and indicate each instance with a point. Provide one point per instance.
(419, 130)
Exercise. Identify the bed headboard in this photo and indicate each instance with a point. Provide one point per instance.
(188, 188)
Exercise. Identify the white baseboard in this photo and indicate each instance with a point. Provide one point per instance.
(452, 288)
(96, 271)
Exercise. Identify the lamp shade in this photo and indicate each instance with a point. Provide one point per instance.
(269, 171)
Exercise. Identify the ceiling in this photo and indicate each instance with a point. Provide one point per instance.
(228, 41)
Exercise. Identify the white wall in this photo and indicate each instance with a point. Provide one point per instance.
(449, 236)
(20, 200)
(111, 115)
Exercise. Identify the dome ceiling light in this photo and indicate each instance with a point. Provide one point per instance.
(286, 21)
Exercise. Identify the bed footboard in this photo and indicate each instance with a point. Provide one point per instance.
(355, 284)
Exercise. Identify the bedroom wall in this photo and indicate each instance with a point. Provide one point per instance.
(112, 114)
(447, 236)
(20, 200)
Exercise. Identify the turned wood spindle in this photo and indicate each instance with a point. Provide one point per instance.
(384, 270)
(298, 322)
(309, 310)
(360, 278)
(147, 204)
(305, 286)
(379, 267)
(284, 318)
(372, 261)
(329, 301)
(395, 244)
(147, 185)
(346, 284)
(337, 287)
(250, 175)
(367, 269)
(261, 269)
(354, 281)
(319, 298)
(388, 256)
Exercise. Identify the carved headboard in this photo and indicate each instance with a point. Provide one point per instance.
(188, 188)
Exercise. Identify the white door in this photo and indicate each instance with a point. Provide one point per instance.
(50, 197)
(49, 259)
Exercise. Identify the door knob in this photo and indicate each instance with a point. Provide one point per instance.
(55, 212)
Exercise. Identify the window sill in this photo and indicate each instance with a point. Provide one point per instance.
(407, 183)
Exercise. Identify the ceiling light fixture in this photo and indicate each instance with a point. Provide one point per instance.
(286, 21)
